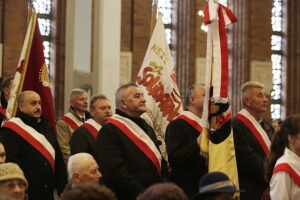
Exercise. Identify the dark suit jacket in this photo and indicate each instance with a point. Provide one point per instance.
(250, 160)
(187, 166)
(38, 171)
(125, 168)
(83, 141)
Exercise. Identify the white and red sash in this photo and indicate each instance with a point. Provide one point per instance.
(36, 139)
(70, 119)
(92, 126)
(289, 163)
(192, 120)
(139, 138)
(256, 129)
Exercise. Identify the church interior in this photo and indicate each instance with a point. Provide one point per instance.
(98, 45)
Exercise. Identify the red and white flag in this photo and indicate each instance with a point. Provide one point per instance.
(156, 78)
(216, 17)
(32, 73)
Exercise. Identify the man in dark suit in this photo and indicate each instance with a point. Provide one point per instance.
(30, 142)
(127, 146)
(183, 143)
(252, 140)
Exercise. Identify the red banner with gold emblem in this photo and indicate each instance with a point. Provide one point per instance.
(32, 73)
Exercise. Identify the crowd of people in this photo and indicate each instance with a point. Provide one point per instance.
(96, 155)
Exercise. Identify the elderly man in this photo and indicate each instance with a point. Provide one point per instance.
(128, 148)
(183, 143)
(30, 142)
(12, 181)
(83, 168)
(252, 140)
(84, 138)
(75, 117)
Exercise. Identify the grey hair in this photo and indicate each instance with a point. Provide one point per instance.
(120, 93)
(75, 92)
(191, 93)
(247, 86)
(76, 163)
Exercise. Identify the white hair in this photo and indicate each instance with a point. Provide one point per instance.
(77, 163)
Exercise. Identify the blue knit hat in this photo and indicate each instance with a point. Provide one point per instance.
(216, 182)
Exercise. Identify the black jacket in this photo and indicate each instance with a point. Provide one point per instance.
(250, 159)
(125, 168)
(38, 171)
(83, 141)
(187, 166)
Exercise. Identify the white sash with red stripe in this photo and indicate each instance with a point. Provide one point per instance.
(92, 126)
(70, 119)
(138, 136)
(256, 129)
(36, 139)
(289, 163)
(191, 119)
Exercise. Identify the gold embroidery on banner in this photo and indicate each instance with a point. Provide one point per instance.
(43, 76)
(156, 68)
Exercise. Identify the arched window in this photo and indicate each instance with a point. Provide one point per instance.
(165, 8)
(277, 56)
(43, 9)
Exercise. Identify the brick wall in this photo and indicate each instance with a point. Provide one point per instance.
(14, 30)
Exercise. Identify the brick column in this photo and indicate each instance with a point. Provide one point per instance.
(14, 30)
(239, 55)
(291, 74)
(185, 46)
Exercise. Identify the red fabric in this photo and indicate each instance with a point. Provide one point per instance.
(31, 140)
(288, 169)
(70, 122)
(139, 143)
(224, 56)
(191, 122)
(32, 80)
(91, 129)
(255, 132)
(229, 13)
(206, 19)
(2, 111)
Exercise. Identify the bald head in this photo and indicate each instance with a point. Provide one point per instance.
(30, 103)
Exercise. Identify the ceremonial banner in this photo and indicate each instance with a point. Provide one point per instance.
(156, 78)
(216, 112)
(32, 73)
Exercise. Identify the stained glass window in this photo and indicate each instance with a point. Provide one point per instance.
(43, 10)
(277, 56)
(165, 8)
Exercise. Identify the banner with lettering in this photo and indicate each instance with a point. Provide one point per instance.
(157, 80)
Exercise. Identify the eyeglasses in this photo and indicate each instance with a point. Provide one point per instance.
(11, 184)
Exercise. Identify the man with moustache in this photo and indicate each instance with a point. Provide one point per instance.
(127, 147)
(30, 142)
(252, 140)
(84, 138)
(75, 117)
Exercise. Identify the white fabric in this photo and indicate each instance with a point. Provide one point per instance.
(36, 135)
(73, 118)
(158, 70)
(140, 133)
(93, 123)
(258, 127)
(282, 186)
(192, 116)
